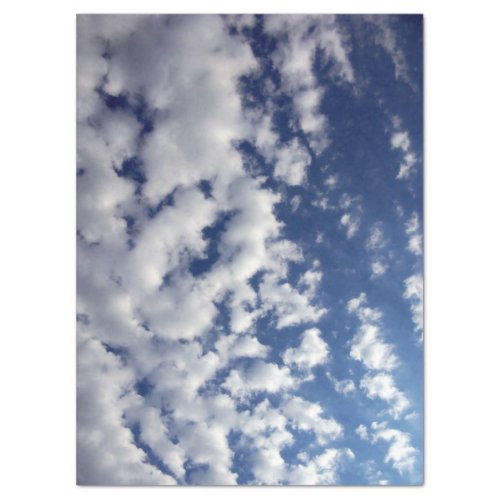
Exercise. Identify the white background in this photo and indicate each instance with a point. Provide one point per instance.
(37, 261)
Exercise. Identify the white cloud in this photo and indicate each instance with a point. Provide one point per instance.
(294, 57)
(321, 469)
(414, 292)
(351, 218)
(320, 237)
(153, 431)
(376, 239)
(323, 203)
(258, 377)
(378, 268)
(291, 162)
(136, 288)
(295, 203)
(400, 140)
(332, 181)
(289, 306)
(351, 223)
(138, 246)
(208, 445)
(362, 431)
(412, 229)
(386, 38)
(310, 281)
(267, 428)
(306, 416)
(106, 452)
(311, 351)
(368, 344)
(239, 346)
(401, 454)
(344, 386)
(269, 468)
(368, 347)
(382, 385)
(346, 201)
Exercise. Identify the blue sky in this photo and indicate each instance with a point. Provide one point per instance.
(250, 250)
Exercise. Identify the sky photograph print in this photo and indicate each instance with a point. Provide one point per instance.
(249, 250)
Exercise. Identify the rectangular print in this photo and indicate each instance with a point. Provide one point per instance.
(249, 250)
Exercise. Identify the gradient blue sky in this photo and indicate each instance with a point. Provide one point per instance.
(250, 250)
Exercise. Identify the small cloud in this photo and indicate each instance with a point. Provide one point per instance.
(412, 229)
(362, 432)
(312, 351)
(368, 345)
(351, 222)
(332, 181)
(382, 386)
(414, 292)
(400, 140)
(291, 163)
(378, 268)
(344, 386)
(295, 202)
(401, 454)
(376, 239)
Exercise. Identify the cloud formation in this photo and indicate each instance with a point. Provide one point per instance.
(204, 307)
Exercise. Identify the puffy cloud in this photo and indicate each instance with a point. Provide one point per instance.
(344, 386)
(306, 416)
(401, 140)
(143, 218)
(310, 281)
(376, 239)
(291, 163)
(321, 469)
(289, 306)
(401, 454)
(240, 346)
(259, 376)
(412, 229)
(368, 345)
(378, 268)
(268, 466)
(414, 292)
(153, 431)
(362, 431)
(311, 351)
(207, 445)
(299, 38)
(107, 453)
(382, 385)
(332, 181)
(290, 160)
(351, 218)
(181, 252)
(351, 223)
